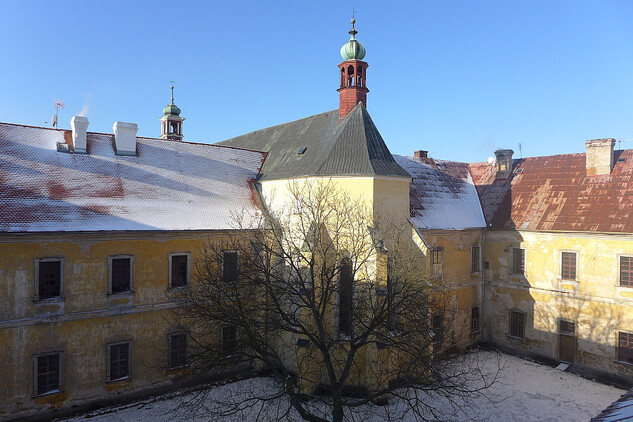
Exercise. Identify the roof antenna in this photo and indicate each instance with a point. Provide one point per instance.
(520, 151)
(55, 119)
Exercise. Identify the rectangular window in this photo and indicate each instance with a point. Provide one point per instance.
(625, 347)
(475, 259)
(49, 278)
(120, 273)
(437, 322)
(517, 324)
(392, 311)
(568, 266)
(118, 361)
(346, 293)
(229, 266)
(229, 340)
(177, 350)
(474, 319)
(518, 261)
(47, 373)
(178, 270)
(566, 327)
(626, 271)
(437, 262)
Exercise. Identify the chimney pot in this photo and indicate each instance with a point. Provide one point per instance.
(599, 156)
(79, 125)
(125, 138)
(504, 163)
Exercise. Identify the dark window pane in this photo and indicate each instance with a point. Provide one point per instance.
(121, 268)
(438, 328)
(517, 324)
(178, 351)
(119, 361)
(626, 271)
(179, 270)
(625, 347)
(47, 373)
(568, 267)
(229, 268)
(49, 282)
(229, 340)
(346, 292)
(474, 264)
(518, 260)
(474, 319)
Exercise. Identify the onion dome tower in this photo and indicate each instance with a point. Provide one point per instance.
(353, 89)
(171, 122)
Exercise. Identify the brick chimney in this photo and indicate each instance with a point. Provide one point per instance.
(125, 138)
(79, 125)
(599, 157)
(421, 154)
(353, 70)
(504, 163)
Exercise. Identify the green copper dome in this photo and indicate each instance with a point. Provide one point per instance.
(353, 49)
(171, 109)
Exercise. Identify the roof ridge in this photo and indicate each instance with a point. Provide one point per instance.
(273, 126)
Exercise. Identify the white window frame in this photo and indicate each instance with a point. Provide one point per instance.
(479, 263)
(131, 288)
(518, 311)
(560, 265)
(437, 270)
(525, 260)
(37, 261)
(60, 385)
(619, 266)
(169, 268)
(129, 361)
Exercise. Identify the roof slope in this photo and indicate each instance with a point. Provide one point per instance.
(350, 146)
(170, 185)
(554, 193)
(442, 194)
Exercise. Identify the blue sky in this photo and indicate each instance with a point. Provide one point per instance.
(457, 78)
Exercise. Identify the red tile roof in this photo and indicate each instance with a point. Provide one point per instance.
(554, 193)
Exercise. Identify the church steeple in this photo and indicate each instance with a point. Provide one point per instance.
(353, 89)
(171, 122)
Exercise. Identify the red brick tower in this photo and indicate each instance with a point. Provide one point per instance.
(353, 87)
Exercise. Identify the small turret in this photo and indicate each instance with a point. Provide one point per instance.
(171, 122)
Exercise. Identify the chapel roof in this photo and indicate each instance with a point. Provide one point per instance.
(322, 145)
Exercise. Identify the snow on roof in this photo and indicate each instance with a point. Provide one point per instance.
(169, 185)
(442, 194)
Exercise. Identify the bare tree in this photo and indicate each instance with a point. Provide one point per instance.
(329, 300)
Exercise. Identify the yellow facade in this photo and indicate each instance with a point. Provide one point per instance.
(594, 302)
(87, 319)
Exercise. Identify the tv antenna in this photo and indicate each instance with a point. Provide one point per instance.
(55, 120)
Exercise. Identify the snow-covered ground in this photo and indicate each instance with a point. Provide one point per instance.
(524, 391)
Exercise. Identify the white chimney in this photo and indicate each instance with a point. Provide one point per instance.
(599, 157)
(125, 138)
(79, 125)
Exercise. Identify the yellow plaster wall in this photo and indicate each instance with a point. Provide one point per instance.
(594, 302)
(462, 288)
(87, 323)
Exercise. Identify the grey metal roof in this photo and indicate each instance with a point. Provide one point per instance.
(349, 146)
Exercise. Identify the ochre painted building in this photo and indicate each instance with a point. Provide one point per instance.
(98, 232)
